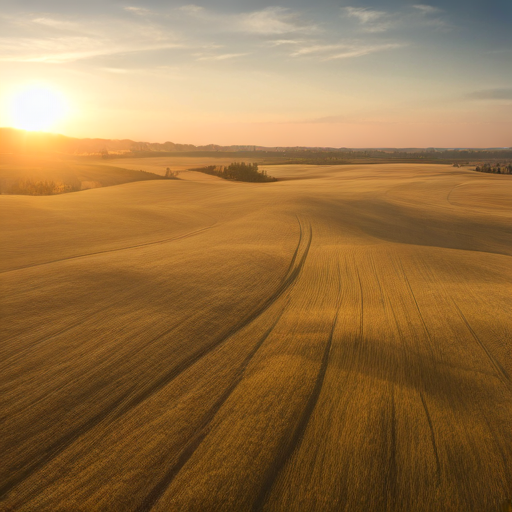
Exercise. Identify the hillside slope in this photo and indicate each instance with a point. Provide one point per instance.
(336, 342)
(44, 174)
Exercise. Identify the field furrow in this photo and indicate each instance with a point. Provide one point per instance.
(335, 343)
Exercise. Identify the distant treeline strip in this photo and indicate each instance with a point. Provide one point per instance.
(495, 168)
(32, 187)
(238, 171)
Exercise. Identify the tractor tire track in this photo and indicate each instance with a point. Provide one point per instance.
(167, 378)
(390, 490)
(361, 318)
(502, 374)
(61, 444)
(15, 357)
(295, 440)
(427, 332)
(433, 439)
(146, 244)
(86, 393)
(294, 257)
(202, 431)
(132, 398)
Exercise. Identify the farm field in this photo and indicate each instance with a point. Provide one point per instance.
(338, 340)
(66, 173)
(159, 164)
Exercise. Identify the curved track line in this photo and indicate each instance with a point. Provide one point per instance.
(431, 348)
(156, 242)
(133, 398)
(361, 317)
(165, 379)
(432, 438)
(294, 257)
(47, 337)
(194, 442)
(61, 444)
(502, 374)
(390, 489)
(295, 440)
(427, 414)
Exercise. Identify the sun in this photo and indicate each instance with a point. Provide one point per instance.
(38, 108)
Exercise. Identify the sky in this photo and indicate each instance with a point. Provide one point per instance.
(275, 73)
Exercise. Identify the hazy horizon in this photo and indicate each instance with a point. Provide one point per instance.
(256, 146)
(356, 74)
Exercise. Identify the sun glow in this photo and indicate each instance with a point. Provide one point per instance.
(37, 108)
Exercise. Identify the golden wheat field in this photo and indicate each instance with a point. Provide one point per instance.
(338, 340)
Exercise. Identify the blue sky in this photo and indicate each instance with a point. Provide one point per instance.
(334, 73)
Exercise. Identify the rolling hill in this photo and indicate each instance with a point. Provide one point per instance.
(337, 340)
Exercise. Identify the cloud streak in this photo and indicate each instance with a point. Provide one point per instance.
(59, 40)
(219, 57)
(272, 21)
(370, 20)
(361, 51)
(427, 9)
(343, 50)
(196, 31)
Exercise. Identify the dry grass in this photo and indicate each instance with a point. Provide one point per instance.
(159, 164)
(66, 172)
(335, 342)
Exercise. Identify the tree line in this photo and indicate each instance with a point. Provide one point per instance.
(32, 187)
(238, 171)
(495, 168)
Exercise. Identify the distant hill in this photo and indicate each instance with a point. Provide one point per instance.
(23, 142)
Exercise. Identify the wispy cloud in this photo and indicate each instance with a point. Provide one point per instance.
(430, 16)
(140, 11)
(371, 20)
(284, 42)
(191, 9)
(272, 21)
(55, 23)
(360, 51)
(199, 33)
(317, 49)
(343, 50)
(364, 15)
(427, 9)
(218, 57)
(31, 41)
(67, 50)
(169, 72)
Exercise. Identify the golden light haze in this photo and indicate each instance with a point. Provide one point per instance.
(354, 76)
(37, 107)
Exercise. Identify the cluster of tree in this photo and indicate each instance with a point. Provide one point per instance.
(171, 174)
(495, 168)
(31, 187)
(238, 171)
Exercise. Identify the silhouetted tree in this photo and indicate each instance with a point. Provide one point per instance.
(237, 171)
